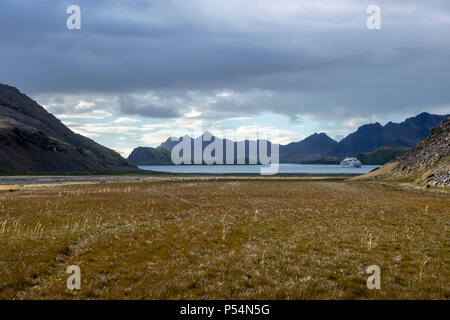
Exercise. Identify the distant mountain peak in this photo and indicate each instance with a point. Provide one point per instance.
(422, 115)
(311, 148)
(319, 135)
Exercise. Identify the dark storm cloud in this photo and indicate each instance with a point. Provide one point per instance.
(291, 57)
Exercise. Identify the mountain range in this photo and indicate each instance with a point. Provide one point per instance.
(372, 136)
(371, 143)
(33, 141)
(312, 148)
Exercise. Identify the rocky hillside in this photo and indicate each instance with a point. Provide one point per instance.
(146, 156)
(426, 164)
(381, 155)
(33, 141)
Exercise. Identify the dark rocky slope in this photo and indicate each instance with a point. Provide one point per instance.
(380, 156)
(426, 164)
(430, 160)
(33, 141)
(147, 156)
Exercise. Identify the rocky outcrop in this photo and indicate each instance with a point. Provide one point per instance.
(431, 155)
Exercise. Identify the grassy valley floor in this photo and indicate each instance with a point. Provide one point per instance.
(194, 238)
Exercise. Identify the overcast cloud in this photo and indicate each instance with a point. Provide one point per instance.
(163, 59)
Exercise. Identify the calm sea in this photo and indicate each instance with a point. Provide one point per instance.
(284, 168)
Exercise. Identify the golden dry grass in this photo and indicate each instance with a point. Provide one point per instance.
(238, 239)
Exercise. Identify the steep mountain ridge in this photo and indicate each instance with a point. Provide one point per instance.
(311, 148)
(370, 137)
(34, 141)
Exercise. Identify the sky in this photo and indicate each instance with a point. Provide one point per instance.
(138, 72)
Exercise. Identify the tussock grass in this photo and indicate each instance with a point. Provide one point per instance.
(208, 239)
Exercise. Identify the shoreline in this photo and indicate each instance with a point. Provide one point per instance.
(19, 182)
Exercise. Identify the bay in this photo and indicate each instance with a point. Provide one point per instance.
(255, 169)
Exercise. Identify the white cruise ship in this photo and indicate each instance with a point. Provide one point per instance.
(351, 163)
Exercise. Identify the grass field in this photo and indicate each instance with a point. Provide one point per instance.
(238, 239)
